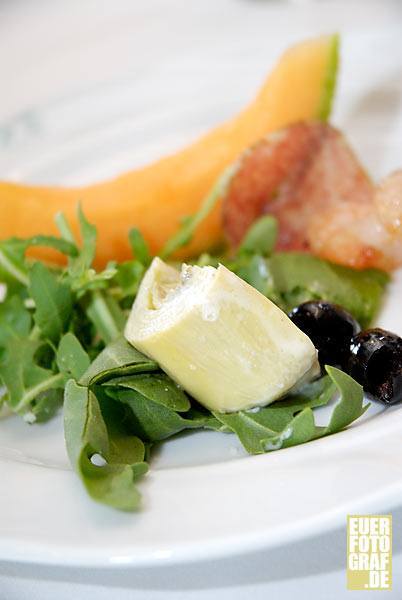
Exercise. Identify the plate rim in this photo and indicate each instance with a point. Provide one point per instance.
(64, 555)
(69, 555)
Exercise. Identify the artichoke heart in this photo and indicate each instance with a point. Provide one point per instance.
(224, 342)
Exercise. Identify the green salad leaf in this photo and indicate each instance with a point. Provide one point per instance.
(127, 280)
(290, 278)
(15, 319)
(350, 406)
(53, 301)
(106, 315)
(108, 460)
(301, 277)
(61, 330)
(79, 265)
(117, 359)
(12, 255)
(24, 379)
(290, 422)
(46, 405)
(260, 238)
(71, 357)
(156, 387)
(12, 261)
(153, 421)
(255, 271)
(139, 247)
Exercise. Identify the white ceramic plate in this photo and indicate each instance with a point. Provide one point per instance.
(204, 497)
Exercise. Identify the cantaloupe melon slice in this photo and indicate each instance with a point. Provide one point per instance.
(156, 197)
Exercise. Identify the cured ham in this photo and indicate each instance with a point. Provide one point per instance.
(309, 178)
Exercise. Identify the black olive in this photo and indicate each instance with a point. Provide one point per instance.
(376, 363)
(330, 328)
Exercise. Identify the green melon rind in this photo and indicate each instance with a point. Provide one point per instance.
(328, 92)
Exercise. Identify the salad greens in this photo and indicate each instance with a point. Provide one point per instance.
(290, 278)
(61, 341)
(301, 277)
(91, 434)
(291, 422)
(117, 359)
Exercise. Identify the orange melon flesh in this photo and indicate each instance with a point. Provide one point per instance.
(156, 197)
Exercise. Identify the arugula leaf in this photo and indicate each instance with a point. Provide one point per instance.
(157, 387)
(50, 241)
(12, 261)
(350, 407)
(201, 418)
(71, 357)
(289, 422)
(23, 378)
(292, 278)
(206, 259)
(254, 271)
(90, 287)
(88, 239)
(79, 273)
(139, 247)
(117, 359)
(128, 278)
(12, 254)
(106, 315)
(278, 414)
(190, 224)
(260, 238)
(46, 405)
(359, 292)
(53, 301)
(256, 429)
(80, 407)
(64, 228)
(90, 280)
(87, 251)
(153, 422)
(112, 479)
(15, 319)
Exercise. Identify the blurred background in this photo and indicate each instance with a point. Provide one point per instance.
(137, 78)
(178, 67)
(54, 47)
